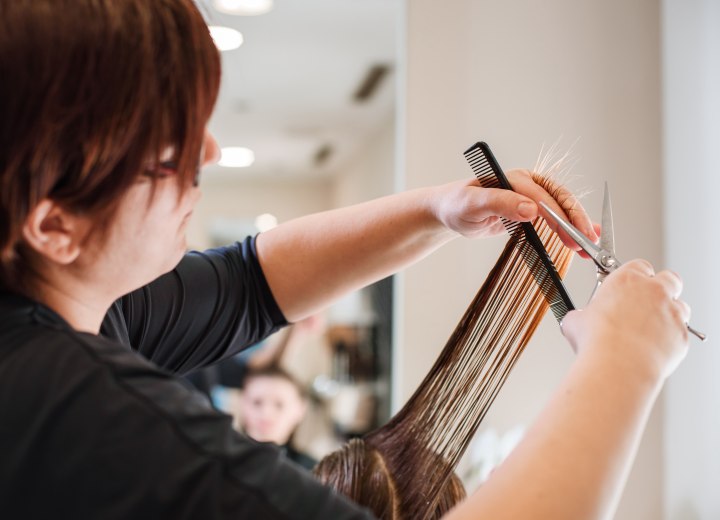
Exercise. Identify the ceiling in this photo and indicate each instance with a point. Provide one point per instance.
(287, 92)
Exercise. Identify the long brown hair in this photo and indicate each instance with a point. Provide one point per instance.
(91, 92)
(405, 469)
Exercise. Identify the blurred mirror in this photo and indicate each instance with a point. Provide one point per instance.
(305, 119)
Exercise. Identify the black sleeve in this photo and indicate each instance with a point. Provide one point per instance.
(212, 305)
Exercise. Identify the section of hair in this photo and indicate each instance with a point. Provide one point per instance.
(552, 172)
(422, 444)
(359, 472)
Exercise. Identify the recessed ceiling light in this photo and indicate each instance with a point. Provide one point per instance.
(236, 157)
(244, 7)
(225, 38)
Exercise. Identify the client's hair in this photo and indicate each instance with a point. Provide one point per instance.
(273, 370)
(359, 471)
(405, 469)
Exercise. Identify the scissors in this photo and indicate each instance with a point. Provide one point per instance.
(603, 254)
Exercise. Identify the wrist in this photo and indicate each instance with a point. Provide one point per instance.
(623, 360)
(433, 204)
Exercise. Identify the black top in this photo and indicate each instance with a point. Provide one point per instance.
(298, 457)
(91, 429)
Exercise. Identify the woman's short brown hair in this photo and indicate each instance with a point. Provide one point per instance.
(91, 91)
(273, 371)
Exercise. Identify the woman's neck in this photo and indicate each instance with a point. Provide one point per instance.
(82, 307)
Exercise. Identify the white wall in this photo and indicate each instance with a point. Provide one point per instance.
(371, 173)
(518, 74)
(691, 77)
(248, 198)
(368, 175)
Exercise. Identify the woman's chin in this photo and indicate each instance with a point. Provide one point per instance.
(170, 263)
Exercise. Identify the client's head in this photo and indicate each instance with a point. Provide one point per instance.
(360, 471)
(272, 405)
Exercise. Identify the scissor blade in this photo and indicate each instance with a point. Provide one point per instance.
(586, 244)
(607, 233)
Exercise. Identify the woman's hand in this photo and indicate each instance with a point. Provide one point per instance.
(342, 250)
(472, 211)
(629, 338)
(637, 319)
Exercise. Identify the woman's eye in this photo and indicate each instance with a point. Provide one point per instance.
(167, 169)
(169, 166)
(161, 170)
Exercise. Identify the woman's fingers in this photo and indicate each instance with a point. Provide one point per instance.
(640, 265)
(559, 199)
(475, 212)
(570, 325)
(672, 283)
(495, 202)
(636, 315)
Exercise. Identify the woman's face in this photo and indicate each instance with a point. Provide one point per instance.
(147, 235)
(270, 409)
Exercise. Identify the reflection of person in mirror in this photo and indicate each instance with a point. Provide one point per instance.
(301, 349)
(104, 106)
(272, 405)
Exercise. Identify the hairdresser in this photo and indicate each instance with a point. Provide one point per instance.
(103, 107)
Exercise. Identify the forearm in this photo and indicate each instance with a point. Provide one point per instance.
(311, 261)
(574, 461)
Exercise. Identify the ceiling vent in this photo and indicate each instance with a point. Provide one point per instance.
(371, 82)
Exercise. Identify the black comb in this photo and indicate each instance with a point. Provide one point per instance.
(488, 171)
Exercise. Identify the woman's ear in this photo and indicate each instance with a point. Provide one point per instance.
(54, 232)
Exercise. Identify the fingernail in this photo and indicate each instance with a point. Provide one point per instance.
(527, 209)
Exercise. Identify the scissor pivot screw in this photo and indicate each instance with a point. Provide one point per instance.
(607, 261)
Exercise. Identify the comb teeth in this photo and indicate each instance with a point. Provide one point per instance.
(557, 298)
(488, 172)
(482, 168)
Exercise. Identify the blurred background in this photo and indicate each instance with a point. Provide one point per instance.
(326, 103)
